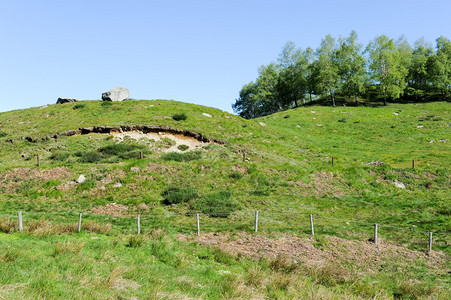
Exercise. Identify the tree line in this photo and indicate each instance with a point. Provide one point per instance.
(384, 70)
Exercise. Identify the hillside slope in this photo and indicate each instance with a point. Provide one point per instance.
(196, 166)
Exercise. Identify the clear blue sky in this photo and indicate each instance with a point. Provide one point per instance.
(194, 51)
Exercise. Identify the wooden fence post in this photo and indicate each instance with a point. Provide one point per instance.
(79, 222)
(139, 224)
(333, 161)
(375, 234)
(256, 221)
(141, 156)
(311, 225)
(244, 156)
(38, 160)
(413, 164)
(430, 242)
(20, 220)
(198, 224)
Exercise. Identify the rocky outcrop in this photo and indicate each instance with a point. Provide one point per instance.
(66, 100)
(116, 94)
(125, 128)
(140, 128)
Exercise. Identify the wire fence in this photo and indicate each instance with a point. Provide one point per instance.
(248, 221)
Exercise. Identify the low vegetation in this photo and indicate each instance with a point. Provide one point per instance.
(280, 166)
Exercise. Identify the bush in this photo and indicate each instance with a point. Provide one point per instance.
(90, 157)
(59, 156)
(121, 150)
(216, 204)
(180, 117)
(106, 104)
(174, 195)
(87, 185)
(79, 105)
(3, 134)
(183, 147)
(235, 175)
(188, 156)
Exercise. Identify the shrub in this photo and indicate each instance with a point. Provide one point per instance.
(174, 195)
(51, 183)
(188, 156)
(59, 156)
(7, 225)
(134, 241)
(180, 117)
(235, 175)
(87, 185)
(3, 134)
(79, 105)
(89, 157)
(123, 150)
(183, 147)
(120, 150)
(217, 204)
(106, 104)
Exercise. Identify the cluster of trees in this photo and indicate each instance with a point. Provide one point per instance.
(386, 69)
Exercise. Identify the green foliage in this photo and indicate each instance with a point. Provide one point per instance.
(175, 195)
(235, 175)
(110, 152)
(51, 183)
(182, 157)
(217, 204)
(60, 156)
(387, 70)
(87, 185)
(106, 104)
(183, 147)
(180, 117)
(134, 241)
(79, 105)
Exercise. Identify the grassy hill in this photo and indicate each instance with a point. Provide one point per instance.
(287, 175)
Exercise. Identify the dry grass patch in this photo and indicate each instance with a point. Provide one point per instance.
(68, 247)
(7, 225)
(95, 227)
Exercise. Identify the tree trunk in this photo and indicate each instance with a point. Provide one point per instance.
(385, 97)
(333, 98)
(356, 100)
(310, 95)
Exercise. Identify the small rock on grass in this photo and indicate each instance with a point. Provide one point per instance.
(81, 179)
(399, 185)
(206, 115)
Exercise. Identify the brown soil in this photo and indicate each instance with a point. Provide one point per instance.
(28, 173)
(322, 184)
(114, 209)
(363, 255)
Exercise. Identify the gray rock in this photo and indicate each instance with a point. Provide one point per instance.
(116, 94)
(206, 115)
(66, 100)
(399, 185)
(81, 179)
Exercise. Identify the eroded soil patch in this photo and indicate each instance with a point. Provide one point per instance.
(363, 254)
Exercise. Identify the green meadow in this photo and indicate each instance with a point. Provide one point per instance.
(279, 165)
